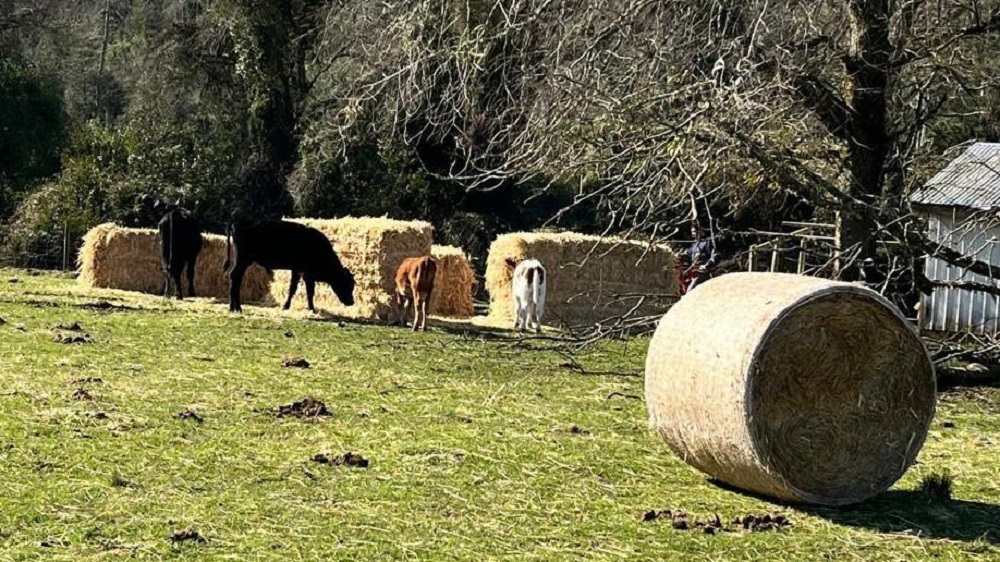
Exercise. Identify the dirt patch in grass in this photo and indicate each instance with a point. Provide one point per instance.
(69, 327)
(306, 408)
(753, 523)
(186, 536)
(71, 338)
(82, 394)
(189, 415)
(88, 380)
(105, 306)
(347, 459)
(758, 523)
(295, 362)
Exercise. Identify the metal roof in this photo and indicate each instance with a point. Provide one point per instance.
(971, 180)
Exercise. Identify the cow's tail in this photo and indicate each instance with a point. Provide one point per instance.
(536, 287)
(421, 274)
(229, 235)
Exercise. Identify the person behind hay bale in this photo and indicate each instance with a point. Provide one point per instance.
(790, 386)
(180, 242)
(698, 262)
(414, 284)
(279, 244)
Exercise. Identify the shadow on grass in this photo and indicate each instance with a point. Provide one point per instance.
(917, 513)
(456, 327)
(960, 381)
(912, 512)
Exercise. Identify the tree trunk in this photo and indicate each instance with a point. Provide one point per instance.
(274, 143)
(868, 65)
(104, 53)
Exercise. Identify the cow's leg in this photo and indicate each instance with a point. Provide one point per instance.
(398, 310)
(529, 313)
(424, 303)
(235, 282)
(166, 276)
(415, 299)
(190, 275)
(407, 303)
(175, 273)
(292, 287)
(310, 290)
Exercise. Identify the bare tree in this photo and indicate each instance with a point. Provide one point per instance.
(646, 105)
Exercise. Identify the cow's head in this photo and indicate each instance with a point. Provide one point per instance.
(341, 280)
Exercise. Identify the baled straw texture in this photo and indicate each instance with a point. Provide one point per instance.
(454, 284)
(372, 248)
(113, 257)
(794, 387)
(589, 278)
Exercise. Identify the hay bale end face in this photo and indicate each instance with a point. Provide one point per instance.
(454, 285)
(793, 387)
(113, 257)
(372, 248)
(589, 278)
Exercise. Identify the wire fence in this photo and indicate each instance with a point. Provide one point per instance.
(57, 255)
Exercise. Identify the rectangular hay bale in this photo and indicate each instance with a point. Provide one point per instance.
(590, 278)
(454, 284)
(372, 248)
(128, 259)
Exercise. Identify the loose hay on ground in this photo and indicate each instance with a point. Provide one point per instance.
(113, 257)
(372, 249)
(794, 387)
(454, 284)
(589, 278)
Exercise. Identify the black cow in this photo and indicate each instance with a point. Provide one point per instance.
(180, 242)
(277, 244)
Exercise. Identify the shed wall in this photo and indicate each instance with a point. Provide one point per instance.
(952, 309)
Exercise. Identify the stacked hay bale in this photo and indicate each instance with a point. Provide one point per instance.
(372, 249)
(794, 387)
(589, 277)
(454, 284)
(113, 257)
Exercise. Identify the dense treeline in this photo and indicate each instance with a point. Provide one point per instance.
(487, 115)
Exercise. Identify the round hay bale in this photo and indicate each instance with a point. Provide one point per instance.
(794, 387)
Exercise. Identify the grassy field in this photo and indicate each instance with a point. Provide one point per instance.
(479, 448)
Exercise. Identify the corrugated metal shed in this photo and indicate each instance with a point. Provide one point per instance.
(949, 202)
(951, 309)
(972, 180)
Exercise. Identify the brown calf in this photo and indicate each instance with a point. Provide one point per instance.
(414, 283)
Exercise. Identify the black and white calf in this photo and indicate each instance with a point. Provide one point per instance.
(529, 293)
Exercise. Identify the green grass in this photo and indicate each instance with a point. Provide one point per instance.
(470, 438)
